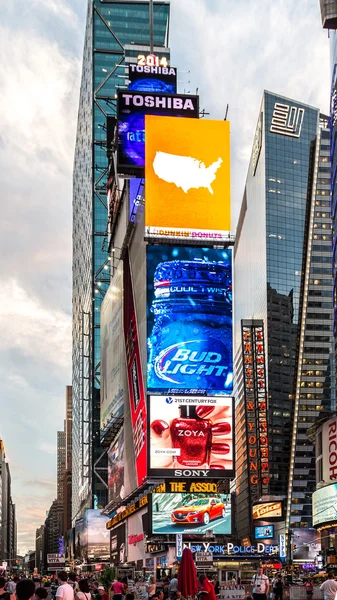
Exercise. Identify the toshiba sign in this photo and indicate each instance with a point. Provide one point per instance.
(326, 452)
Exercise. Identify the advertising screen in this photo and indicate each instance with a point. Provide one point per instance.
(144, 78)
(136, 199)
(135, 377)
(191, 513)
(131, 110)
(112, 351)
(324, 504)
(191, 436)
(189, 320)
(268, 510)
(187, 178)
(306, 544)
(97, 535)
(116, 468)
(263, 533)
(118, 545)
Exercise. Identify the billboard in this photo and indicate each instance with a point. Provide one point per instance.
(131, 110)
(97, 537)
(80, 542)
(268, 510)
(191, 436)
(116, 468)
(191, 513)
(187, 178)
(135, 377)
(118, 545)
(329, 450)
(306, 544)
(264, 533)
(324, 505)
(189, 320)
(112, 351)
(137, 201)
(145, 78)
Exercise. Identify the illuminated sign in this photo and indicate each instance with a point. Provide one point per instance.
(151, 60)
(265, 532)
(135, 377)
(283, 548)
(136, 199)
(328, 434)
(189, 320)
(255, 391)
(268, 510)
(231, 549)
(324, 504)
(134, 539)
(187, 169)
(191, 436)
(152, 79)
(116, 460)
(132, 106)
(191, 513)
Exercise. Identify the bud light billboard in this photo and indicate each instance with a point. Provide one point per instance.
(191, 437)
(189, 320)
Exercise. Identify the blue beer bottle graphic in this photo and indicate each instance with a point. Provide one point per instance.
(190, 346)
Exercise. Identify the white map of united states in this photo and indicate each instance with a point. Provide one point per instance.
(185, 172)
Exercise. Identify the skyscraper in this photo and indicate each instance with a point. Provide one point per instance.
(61, 462)
(114, 30)
(283, 277)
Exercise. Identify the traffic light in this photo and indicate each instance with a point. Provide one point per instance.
(294, 548)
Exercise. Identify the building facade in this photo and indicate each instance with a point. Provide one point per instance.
(61, 462)
(8, 530)
(282, 258)
(111, 27)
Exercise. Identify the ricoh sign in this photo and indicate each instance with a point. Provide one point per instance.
(329, 450)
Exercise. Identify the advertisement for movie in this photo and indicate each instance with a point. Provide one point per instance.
(324, 504)
(191, 513)
(112, 351)
(268, 510)
(118, 545)
(96, 535)
(135, 377)
(187, 169)
(148, 79)
(191, 436)
(189, 320)
(116, 468)
(131, 110)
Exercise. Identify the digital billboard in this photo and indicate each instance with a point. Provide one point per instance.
(264, 533)
(144, 78)
(137, 201)
(112, 351)
(187, 178)
(306, 544)
(135, 377)
(131, 110)
(324, 504)
(191, 513)
(268, 510)
(191, 436)
(96, 534)
(118, 545)
(189, 320)
(116, 468)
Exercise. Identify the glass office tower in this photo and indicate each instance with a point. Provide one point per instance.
(111, 27)
(282, 254)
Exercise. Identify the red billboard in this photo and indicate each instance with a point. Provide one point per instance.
(134, 375)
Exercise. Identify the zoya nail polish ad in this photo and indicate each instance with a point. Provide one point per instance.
(191, 436)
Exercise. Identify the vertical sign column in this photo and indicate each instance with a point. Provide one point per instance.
(262, 417)
(250, 410)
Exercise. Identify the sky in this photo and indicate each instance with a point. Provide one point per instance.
(231, 50)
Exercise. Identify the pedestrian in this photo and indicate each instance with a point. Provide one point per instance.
(329, 587)
(207, 588)
(151, 587)
(25, 589)
(41, 593)
(173, 587)
(11, 585)
(260, 583)
(72, 580)
(309, 588)
(64, 590)
(83, 592)
(118, 589)
(103, 594)
(5, 595)
(277, 587)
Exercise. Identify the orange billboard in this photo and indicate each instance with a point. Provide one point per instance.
(187, 178)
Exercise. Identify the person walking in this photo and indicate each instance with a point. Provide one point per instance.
(5, 595)
(64, 591)
(83, 592)
(173, 587)
(277, 587)
(329, 587)
(261, 586)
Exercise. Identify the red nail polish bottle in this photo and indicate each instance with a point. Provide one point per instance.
(192, 436)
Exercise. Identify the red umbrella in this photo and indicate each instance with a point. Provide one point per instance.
(187, 578)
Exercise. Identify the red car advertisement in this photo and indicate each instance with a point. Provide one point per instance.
(191, 513)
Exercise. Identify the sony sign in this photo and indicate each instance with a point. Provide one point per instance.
(230, 549)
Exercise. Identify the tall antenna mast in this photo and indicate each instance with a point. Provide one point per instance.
(151, 26)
